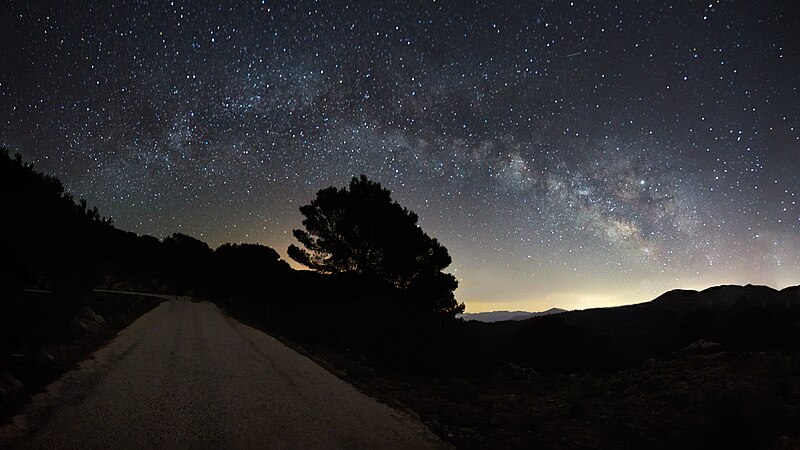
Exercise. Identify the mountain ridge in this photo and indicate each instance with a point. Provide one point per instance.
(499, 316)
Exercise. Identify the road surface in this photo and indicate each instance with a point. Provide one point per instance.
(186, 376)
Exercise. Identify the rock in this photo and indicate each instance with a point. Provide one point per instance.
(44, 359)
(86, 321)
(786, 442)
(466, 432)
(702, 346)
(10, 387)
(522, 372)
(650, 364)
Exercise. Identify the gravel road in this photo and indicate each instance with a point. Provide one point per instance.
(186, 376)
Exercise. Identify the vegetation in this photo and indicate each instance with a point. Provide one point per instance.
(47, 233)
(361, 230)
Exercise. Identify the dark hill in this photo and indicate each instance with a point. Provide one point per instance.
(736, 317)
(719, 296)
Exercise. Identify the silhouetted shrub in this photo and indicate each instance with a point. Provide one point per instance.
(188, 258)
(248, 269)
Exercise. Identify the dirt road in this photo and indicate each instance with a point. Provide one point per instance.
(186, 376)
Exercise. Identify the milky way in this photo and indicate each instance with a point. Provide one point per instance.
(568, 154)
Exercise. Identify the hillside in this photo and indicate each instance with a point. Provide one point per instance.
(499, 316)
(603, 339)
(718, 368)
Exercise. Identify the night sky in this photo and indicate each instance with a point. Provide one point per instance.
(569, 154)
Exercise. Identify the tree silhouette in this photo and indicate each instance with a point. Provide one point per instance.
(248, 268)
(46, 235)
(188, 259)
(361, 230)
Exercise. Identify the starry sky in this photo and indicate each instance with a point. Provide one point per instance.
(568, 154)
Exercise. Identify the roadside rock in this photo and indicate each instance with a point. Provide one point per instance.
(786, 442)
(522, 372)
(45, 359)
(86, 321)
(9, 386)
(650, 364)
(702, 346)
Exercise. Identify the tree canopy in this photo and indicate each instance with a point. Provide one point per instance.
(360, 229)
(45, 231)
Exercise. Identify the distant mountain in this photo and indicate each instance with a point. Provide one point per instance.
(738, 318)
(498, 316)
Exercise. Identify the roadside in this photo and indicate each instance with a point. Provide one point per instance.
(45, 335)
(705, 399)
(716, 400)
